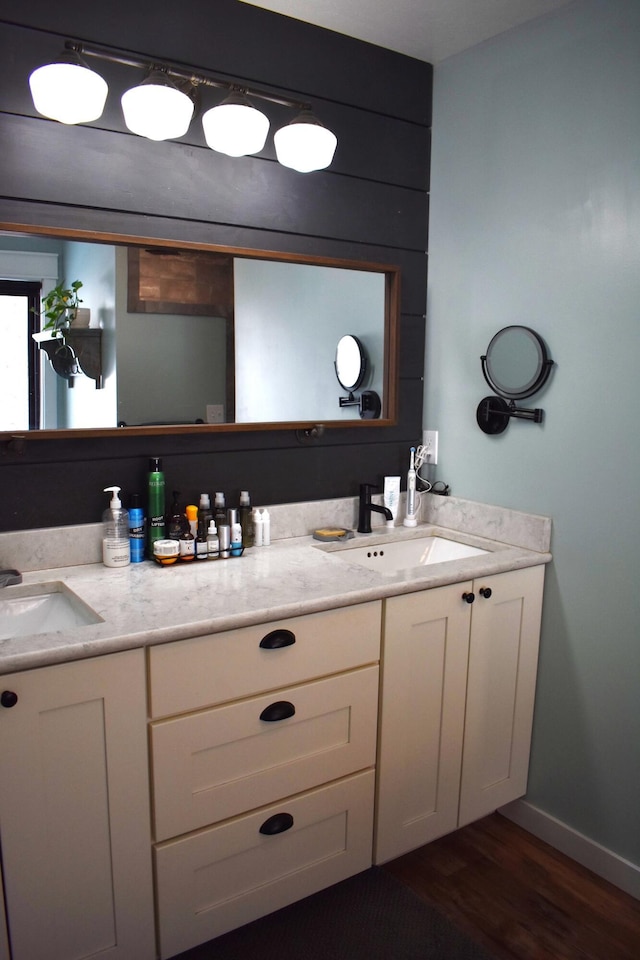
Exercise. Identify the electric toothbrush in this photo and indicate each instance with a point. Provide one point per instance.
(410, 513)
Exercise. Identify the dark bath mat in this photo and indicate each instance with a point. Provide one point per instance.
(371, 916)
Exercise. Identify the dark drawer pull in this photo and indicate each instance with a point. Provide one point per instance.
(485, 592)
(468, 597)
(8, 698)
(280, 710)
(277, 639)
(278, 823)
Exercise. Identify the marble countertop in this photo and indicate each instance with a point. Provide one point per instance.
(144, 604)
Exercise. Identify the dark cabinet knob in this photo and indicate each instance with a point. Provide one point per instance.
(485, 592)
(280, 710)
(468, 597)
(277, 639)
(8, 698)
(278, 823)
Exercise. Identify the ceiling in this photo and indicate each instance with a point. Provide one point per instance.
(430, 30)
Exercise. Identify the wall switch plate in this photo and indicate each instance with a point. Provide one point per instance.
(430, 444)
(215, 413)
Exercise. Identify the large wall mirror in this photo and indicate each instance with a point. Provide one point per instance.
(189, 338)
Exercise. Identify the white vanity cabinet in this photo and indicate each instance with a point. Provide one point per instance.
(458, 688)
(74, 811)
(263, 745)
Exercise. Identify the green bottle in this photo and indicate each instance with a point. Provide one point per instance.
(156, 504)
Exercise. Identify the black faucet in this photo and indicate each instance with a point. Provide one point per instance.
(366, 508)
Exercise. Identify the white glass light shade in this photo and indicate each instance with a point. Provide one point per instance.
(305, 144)
(156, 109)
(68, 92)
(235, 127)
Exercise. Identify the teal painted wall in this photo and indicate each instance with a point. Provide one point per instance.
(535, 219)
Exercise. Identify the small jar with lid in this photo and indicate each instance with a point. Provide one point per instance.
(166, 552)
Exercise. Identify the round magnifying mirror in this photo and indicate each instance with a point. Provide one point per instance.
(350, 363)
(516, 364)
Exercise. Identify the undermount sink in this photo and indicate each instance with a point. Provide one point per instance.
(42, 608)
(397, 555)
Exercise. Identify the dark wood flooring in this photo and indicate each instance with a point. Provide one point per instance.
(520, 898)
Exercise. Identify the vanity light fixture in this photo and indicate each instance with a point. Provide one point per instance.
(156, 108)
(235, 126)
(305, 144)
(67, 90)
(161, 107)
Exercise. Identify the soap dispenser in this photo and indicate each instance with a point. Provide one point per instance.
(116, 551)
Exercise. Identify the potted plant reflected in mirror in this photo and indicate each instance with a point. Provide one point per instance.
(60, 308)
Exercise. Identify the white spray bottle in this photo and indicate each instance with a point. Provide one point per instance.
(410, 513)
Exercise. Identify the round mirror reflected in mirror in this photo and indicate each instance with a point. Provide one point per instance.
(517, 363)
(350, 363)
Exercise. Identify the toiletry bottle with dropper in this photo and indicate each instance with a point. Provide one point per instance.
(213, 541)
(116, 551)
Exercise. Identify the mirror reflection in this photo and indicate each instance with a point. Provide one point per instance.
(187, 337)
(351, 362)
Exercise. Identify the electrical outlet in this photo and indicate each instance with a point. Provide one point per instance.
(430, 444)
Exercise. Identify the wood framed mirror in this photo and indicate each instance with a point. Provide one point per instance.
(230, 339)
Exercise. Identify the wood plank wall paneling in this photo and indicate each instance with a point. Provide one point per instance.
(372, 204)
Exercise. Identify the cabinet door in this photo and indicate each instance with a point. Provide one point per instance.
(425, 645)
(4, 943)
(503, 658)
(75, 811)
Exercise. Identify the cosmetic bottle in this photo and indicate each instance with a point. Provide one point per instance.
(219, 508)
(224, 533)
(116, 550)
(204, 516)
(246, 519)
(192, 519)
(187, 544)
(266, 527)
(235, 533)
(136, 529)
(156, 503)
(391, 497)
(177, 519)
(258, 528)
(213, 541)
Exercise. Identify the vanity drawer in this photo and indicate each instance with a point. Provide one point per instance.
(226, 876)
(200, 672)
(214, 764)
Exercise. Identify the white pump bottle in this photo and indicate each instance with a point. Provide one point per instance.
(116, 549)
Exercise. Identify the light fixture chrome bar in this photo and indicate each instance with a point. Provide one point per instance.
(197, 79)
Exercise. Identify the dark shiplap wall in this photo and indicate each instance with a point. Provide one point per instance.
(372, 204)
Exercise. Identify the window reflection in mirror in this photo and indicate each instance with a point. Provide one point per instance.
(163, 364)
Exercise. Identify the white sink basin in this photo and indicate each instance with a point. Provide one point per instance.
(406, 554)
(42, 608)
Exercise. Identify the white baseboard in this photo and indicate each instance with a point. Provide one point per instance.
(591, 855)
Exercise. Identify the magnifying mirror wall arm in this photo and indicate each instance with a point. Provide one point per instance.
(491, 409)
(493, 413)
(369, 403)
